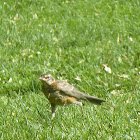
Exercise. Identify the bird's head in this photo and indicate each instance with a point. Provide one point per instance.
(47, 78)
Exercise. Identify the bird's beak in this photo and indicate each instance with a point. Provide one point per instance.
(40, 78)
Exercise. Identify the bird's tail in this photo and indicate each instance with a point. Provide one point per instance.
(93, 99)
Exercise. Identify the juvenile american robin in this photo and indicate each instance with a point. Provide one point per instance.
(59, 92)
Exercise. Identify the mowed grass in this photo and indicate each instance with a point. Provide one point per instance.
(95, 45)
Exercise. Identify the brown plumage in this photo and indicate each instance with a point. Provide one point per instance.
(60, 92)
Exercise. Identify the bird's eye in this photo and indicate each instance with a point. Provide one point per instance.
(48, 77)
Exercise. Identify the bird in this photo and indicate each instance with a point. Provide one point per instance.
(60, 92)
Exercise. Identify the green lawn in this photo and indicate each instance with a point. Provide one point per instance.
(94, 44)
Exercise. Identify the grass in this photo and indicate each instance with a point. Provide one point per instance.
(72, 40)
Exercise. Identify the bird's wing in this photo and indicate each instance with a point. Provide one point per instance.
(69, 90)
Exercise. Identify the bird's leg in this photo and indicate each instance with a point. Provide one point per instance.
(53, 110)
